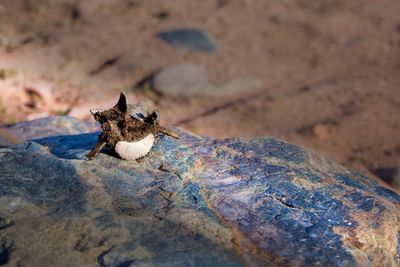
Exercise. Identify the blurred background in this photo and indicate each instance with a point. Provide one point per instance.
(322, 74)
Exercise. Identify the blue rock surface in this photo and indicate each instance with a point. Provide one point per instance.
(191, 202)
(43, 127)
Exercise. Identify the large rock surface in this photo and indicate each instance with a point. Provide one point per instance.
(191, 202)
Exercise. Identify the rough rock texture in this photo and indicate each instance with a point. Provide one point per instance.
(191, 202)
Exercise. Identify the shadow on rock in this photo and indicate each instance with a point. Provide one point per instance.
(29, 172)
(69, 146)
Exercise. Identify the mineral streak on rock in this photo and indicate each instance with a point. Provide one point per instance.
(193, 201)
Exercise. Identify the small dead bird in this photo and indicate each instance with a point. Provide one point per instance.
(129, 131)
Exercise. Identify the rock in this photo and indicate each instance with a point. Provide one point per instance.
(182, 79)
(246, 84)
(43, 127)
(191, 202)
(195, 39)
(6, 138)
(192, 80)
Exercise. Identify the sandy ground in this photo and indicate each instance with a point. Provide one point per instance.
(329, 69)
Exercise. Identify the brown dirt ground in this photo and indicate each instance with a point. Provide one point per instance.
(330, 69)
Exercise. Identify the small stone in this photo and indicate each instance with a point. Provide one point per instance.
(195, 39)
(321, 131)
(244, 84)
(182, 79)
(191, 79)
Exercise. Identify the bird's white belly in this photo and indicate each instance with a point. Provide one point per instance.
(134, 150)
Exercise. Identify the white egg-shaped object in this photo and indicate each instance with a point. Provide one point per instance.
(135, 150)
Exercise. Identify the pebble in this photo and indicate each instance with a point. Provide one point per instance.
(244, 84)
(195, 39)
(182, 79)
(191, 79)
